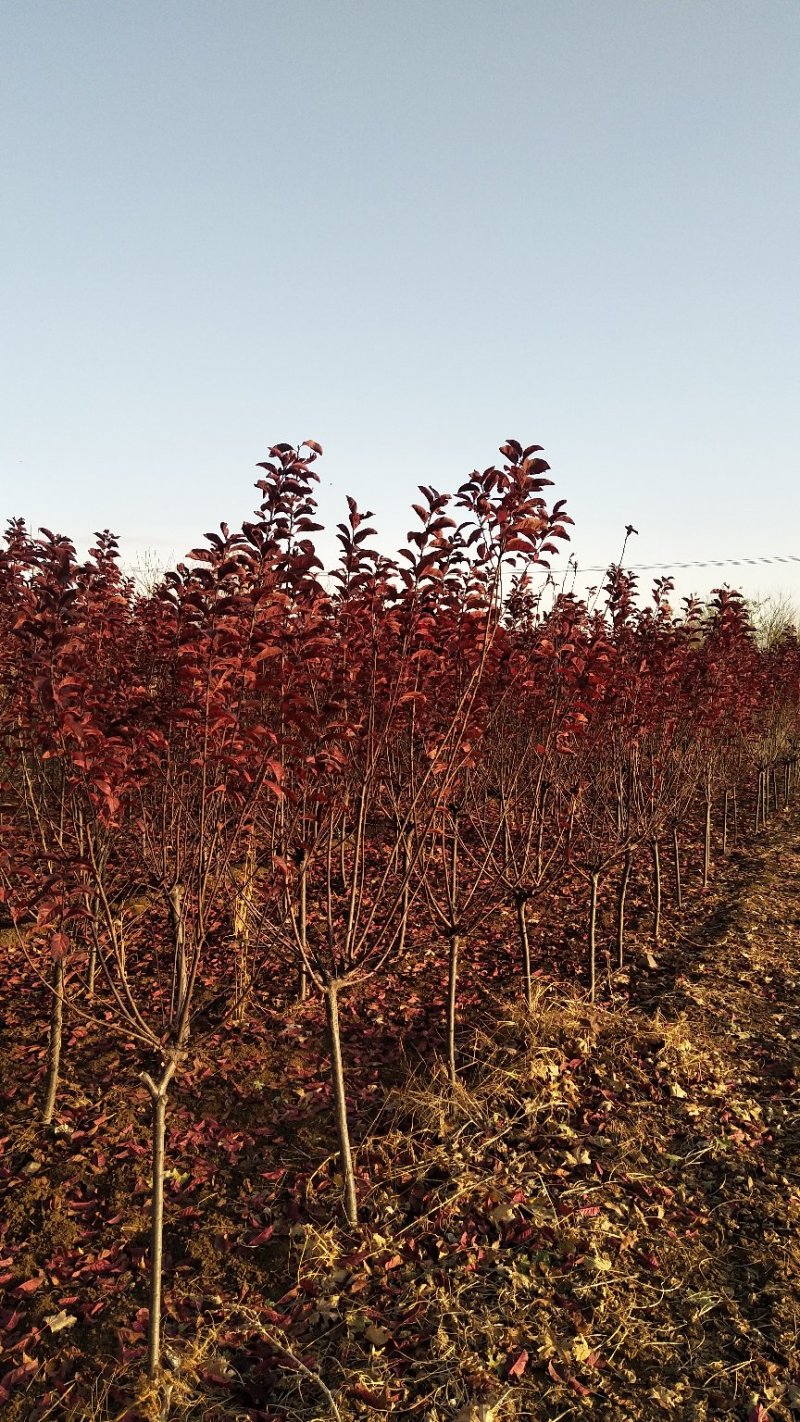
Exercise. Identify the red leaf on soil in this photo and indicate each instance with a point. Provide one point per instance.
(579, 1387)
(519, 1365)
(30, 1286)
(262, 1237)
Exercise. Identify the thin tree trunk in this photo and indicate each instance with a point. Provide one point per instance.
(725, 802)
(92, 970)
(593, 936)
(452, 991)
(342, 857)
(657, 891)
(707, 845)
(525, 944)
(676, 860)
(759, 791)
(302, 989)
(540, 839)
(340, 1100)
(623, 892)
(54, 1042)
(735, 818)
(158, 1095)
(401, 942)
(177, 895)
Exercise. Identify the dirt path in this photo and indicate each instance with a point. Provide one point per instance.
(738, 1000)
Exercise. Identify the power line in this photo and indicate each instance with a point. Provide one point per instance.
(639, 567)
(695, 563)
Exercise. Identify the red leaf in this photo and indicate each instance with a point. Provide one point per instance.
(30, 1286)
(262, 1237)
(519, 1365)
(59, 945)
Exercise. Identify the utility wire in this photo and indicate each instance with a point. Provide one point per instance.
(695, 563)
(645, 567)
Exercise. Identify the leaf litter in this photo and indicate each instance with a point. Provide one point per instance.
(601, 1219)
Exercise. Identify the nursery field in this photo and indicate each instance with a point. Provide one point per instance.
(600, 1221)
(400, 969)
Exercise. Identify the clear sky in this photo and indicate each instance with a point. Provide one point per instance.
(408, 229)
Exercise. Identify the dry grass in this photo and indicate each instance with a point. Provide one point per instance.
(601, 1219)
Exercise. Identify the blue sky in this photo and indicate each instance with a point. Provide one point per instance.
(409, 229)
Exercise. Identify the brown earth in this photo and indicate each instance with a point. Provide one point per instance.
(602, 1222)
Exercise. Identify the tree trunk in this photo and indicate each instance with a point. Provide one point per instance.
(725, 802)
(302, 987)
(525, 945)
(735, 818)
(340, 1100)
(54, 1041)
(759, 792)
(401, 942)
(593, 937)
(92, 970)
(177, 895)
(452, 990)
(707, 845)
(656, 891)
(623, 892)
(158, 1095)
(676, 860)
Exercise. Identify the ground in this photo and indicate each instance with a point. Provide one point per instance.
(600, 1222)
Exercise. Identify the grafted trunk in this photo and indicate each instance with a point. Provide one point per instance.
(54, 1042)
(404, 902)
(179, 972)
(707, 844)
(525, 945)
(676, 861)
(91, 970)
(656, 890)
(340, 1103)
(158, 1096)
(302, 986)
(593, 893)
(623, 893)
(452, 993)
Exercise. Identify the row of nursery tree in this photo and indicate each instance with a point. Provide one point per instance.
(260, 777)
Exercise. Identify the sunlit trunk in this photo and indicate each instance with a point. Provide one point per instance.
(676, 862)
(452, 992)
(158, 1096)
(340, 1103)
(595, 883)
(54, 1042)
(525, 945)
(623, 893)
(656, 891)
